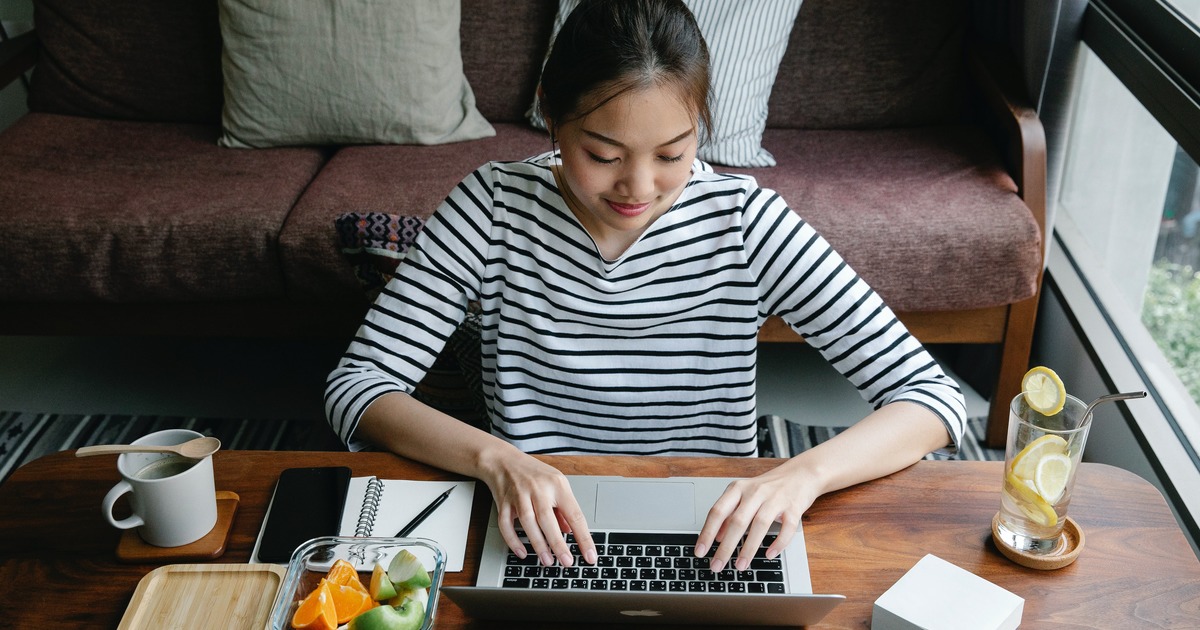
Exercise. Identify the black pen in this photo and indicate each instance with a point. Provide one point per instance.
(407, 529)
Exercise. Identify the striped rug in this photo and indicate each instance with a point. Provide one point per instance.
(26, 436)
(801, 437)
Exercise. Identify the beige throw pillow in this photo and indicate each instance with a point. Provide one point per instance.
(305, 72)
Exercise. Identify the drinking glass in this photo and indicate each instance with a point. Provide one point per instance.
(1041, 458)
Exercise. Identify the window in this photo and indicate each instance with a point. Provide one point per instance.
(1130, 183)
(1172, 297)
(1126, 210)
(1189, 9)
(1132, 193)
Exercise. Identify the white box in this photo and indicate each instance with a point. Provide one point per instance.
(937, 595)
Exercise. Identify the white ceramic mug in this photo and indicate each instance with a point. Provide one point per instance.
(174, 499)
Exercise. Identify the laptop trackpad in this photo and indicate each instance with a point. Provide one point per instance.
(645, 505)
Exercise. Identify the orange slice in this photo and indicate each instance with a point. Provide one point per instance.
(344, 573)
(349, 601)
(317, 611)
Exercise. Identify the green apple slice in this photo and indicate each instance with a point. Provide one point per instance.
(405, 594)
(407, 617)
(406, 571)
(381, 587)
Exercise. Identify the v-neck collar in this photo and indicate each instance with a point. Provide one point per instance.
(553, 163)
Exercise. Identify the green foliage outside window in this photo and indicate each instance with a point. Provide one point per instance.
(1171, 313)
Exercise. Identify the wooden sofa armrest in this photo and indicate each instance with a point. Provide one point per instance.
(17, 55)
(1011, 119)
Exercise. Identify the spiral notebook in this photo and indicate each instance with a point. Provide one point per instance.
(380, 507)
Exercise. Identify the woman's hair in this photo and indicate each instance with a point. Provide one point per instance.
(608, 47)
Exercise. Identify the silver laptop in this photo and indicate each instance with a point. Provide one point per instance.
(647, 572)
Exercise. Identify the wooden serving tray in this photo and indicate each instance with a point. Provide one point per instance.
(186, 596)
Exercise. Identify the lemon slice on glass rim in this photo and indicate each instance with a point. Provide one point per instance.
(1043, 390)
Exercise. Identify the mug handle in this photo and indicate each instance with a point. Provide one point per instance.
(111, 498)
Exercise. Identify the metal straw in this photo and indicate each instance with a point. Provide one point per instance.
(1087, 413)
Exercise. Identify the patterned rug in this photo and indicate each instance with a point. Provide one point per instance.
(801, 437)
(26, 436)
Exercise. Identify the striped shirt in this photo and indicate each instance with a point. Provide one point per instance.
(652, 353)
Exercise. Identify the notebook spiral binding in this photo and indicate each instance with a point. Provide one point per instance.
(370, 506)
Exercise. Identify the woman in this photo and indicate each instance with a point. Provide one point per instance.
(622, 284)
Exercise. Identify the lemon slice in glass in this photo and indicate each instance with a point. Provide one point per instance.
(1050, 478)
(1032, 503)
(1025, 464)
(1044, 391)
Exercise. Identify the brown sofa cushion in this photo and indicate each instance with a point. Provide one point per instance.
(399, 179)
(128, 60)
(503, 44)
(927, 216)
(179, 219)
(849, 63)
(936, 224)
(870, 64)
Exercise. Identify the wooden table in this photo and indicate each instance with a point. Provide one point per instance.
(1137, 569)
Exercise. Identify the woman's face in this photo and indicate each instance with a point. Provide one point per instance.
(625, 164)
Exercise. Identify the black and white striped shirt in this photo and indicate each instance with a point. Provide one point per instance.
(653, 353)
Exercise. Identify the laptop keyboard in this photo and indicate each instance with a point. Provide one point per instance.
(651, 562)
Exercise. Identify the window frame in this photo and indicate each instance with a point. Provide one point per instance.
(1155, 52)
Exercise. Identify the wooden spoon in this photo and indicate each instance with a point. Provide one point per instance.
(198, 448)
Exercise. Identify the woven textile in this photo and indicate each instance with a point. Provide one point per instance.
(801, 437)
(374, 243)
(26, 436)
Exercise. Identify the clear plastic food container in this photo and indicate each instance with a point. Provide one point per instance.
(313, 559)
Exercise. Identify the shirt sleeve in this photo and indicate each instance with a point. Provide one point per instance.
(805, 282)
(417, 311)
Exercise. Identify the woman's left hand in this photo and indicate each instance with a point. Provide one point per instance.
(748, 508)
(890, 438)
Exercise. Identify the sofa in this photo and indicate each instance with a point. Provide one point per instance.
(123, 212)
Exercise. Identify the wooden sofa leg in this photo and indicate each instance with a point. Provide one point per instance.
(1014, 362)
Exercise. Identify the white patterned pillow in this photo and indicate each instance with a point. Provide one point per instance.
(746, 42)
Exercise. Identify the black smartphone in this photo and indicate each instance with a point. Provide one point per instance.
(307, 504)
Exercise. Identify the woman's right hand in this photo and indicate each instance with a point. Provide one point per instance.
(538, 496)
(525, 490)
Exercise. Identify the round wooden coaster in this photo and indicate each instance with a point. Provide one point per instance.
(1066, 553)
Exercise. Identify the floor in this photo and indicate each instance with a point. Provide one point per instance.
(796, 383)
(273, 379)
(209, 378)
